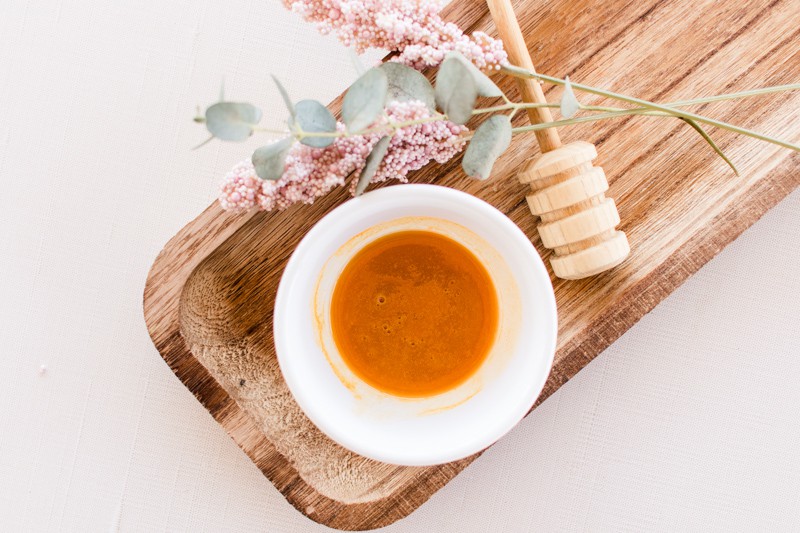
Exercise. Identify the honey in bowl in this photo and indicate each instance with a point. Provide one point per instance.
(414, 314)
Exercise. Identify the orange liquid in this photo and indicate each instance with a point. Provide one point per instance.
(414, 314)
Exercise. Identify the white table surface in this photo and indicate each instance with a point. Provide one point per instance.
(689, 422)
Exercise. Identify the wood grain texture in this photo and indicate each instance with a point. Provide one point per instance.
(208, 299)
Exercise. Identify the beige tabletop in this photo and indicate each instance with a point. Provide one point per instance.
(688, 422)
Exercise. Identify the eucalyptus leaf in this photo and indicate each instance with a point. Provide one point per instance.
(484, 84)
(406, 83)
(569, 102)
(284, 95)
(373, 162)
(455, 90)
(488, 143)
(269, 160)
(364, 101)
(358, 65)
(313, 117)
(232, 121)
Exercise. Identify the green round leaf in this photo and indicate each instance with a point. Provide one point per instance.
(484, 84)
(488, 143)
(365, 100)
(313, 117)
(231, 121)
(373, 162)
(455, 90)
(406, 83)
(269, 160)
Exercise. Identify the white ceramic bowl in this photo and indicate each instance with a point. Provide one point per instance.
(411, 431)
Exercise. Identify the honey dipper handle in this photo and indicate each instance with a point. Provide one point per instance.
(531, 90)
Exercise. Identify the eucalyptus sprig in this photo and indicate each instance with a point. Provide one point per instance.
(459, 86)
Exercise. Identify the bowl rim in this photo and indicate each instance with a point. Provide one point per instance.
(309, 402)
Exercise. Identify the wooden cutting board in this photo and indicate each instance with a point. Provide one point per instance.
(209, 296)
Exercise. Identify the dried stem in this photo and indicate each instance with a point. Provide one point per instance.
(666, 109)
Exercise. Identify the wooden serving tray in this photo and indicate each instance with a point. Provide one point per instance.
(209, 296)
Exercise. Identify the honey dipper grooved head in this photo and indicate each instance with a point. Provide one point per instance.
(594, 260)
(559, 160)
(578, 221)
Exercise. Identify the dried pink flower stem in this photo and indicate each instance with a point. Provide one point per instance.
(311, 172)
(412, 28)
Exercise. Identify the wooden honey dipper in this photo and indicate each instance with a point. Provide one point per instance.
(578, 222)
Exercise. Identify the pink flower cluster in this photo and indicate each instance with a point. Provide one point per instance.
(411, 27)
(312, 172)
(413, 147)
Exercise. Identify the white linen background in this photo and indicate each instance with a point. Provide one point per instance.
(688, 422)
